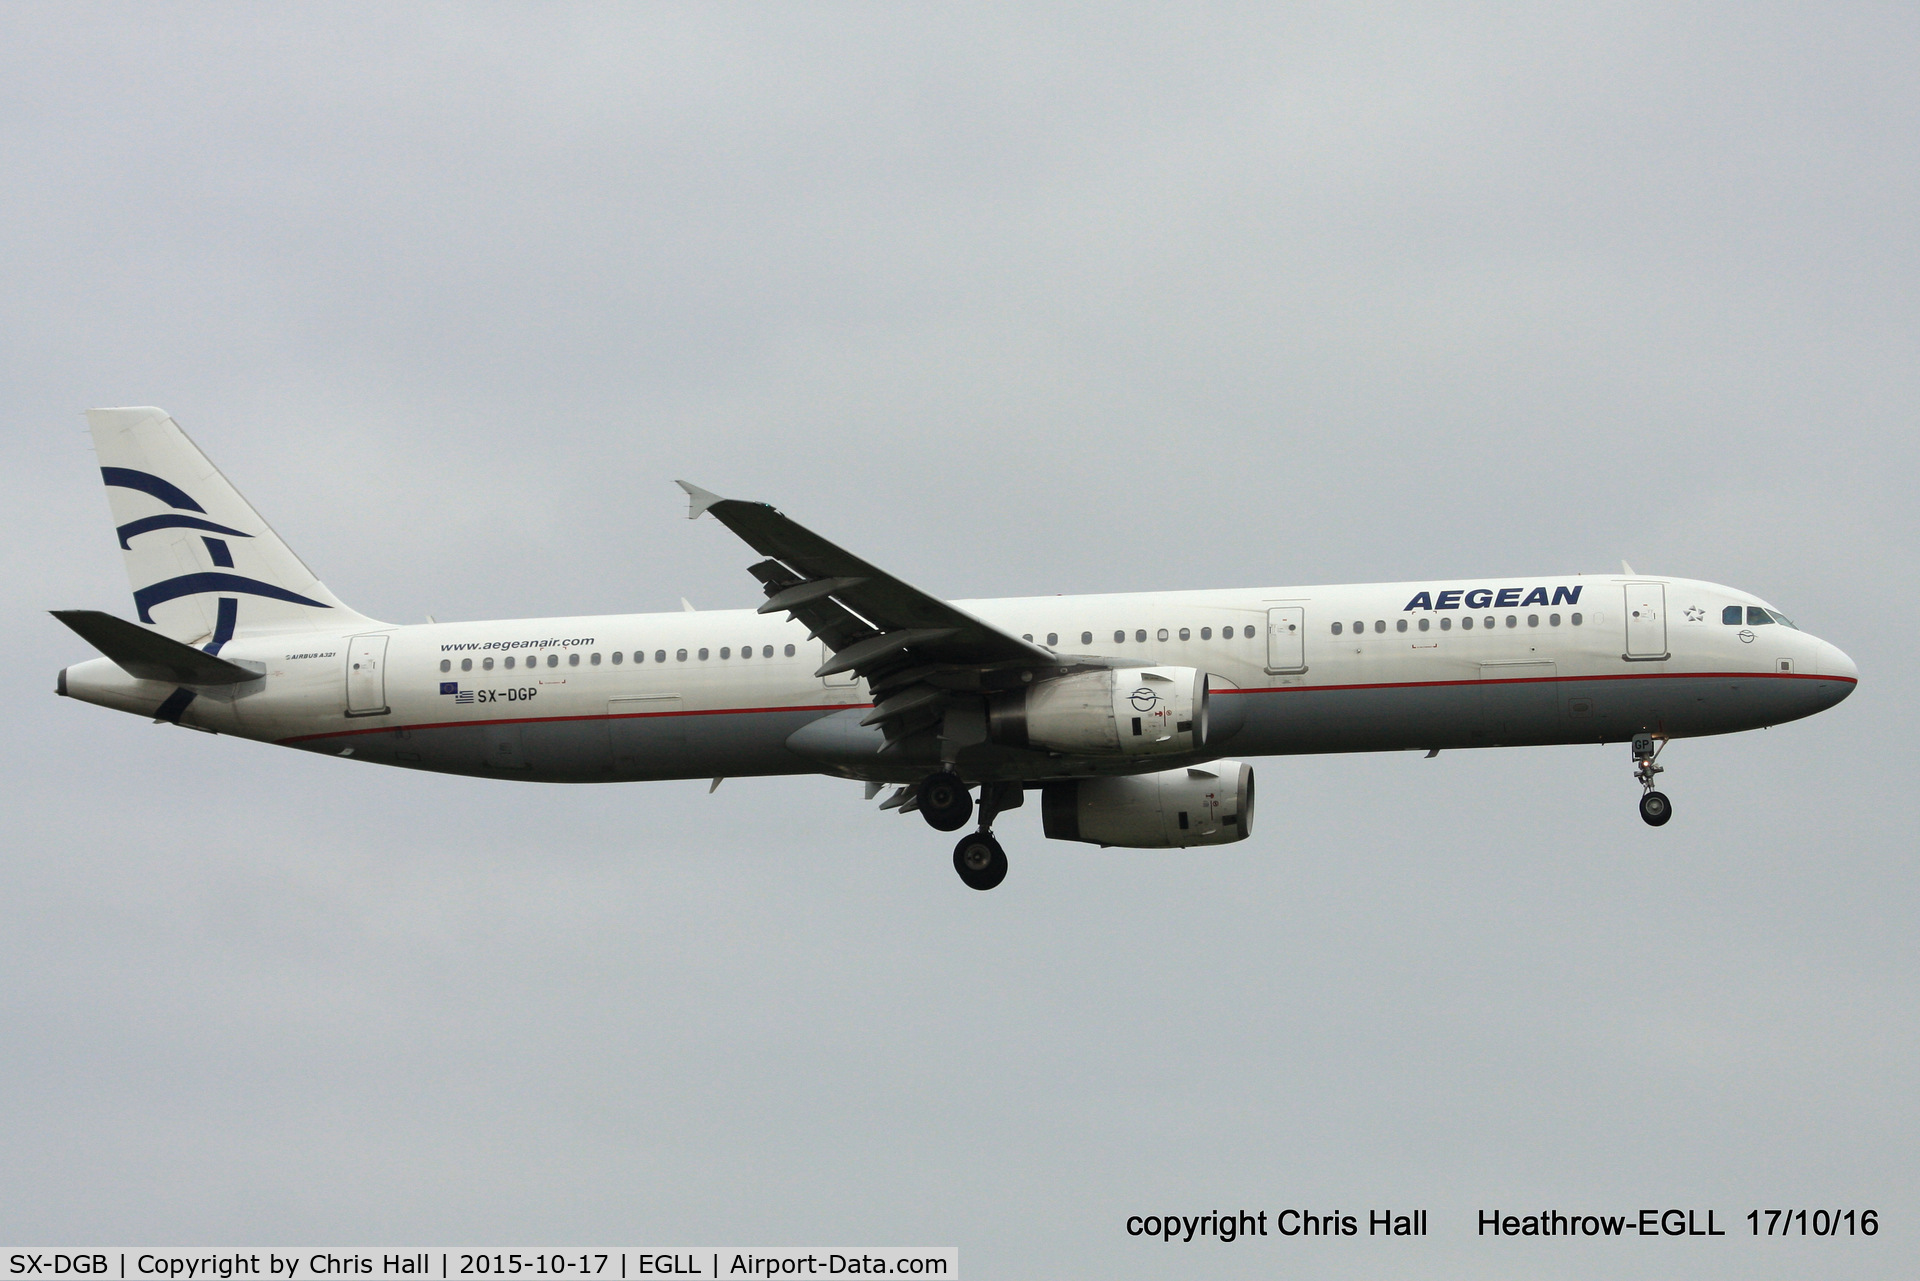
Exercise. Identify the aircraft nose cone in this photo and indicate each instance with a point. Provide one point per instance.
(1834, 662)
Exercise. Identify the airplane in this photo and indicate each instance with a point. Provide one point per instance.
(1117, 709)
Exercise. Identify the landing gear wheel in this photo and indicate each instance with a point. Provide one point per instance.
(1656, 808)
(945, 802)
(981, 862)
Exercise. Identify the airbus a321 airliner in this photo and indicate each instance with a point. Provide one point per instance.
(1119, 709)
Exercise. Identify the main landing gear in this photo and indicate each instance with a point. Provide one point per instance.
(1655, 808)
(981, 862)
(946, 804)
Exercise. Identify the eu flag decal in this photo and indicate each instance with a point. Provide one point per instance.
(449, 687)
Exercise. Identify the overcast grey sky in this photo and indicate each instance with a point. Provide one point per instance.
(1011, 300)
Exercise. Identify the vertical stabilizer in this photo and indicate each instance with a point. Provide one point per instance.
(203, 565)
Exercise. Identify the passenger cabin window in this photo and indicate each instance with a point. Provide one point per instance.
(1161, 634)
(1026, 636)
(1425, 623)
(1206, 633)
(1730, 616)
(486, 664)
(726, 651)
(509, 662)
(679, 655)
(1379, 625)
(660, 656)
(595, 660)
(1574, 619)
(1086, 638)
(1466, 624)
(446, 664)
(1185, 634)
(1513, 620)
(1490, 620)
(466, 664)
(1553, 620)
(1358, 628)
(1337, 629)
(1140, 635)
(1446, 624)
(1399, 624)
(1533, 620)
(766, 651)
(703, 654)
(1053, 638)
(618, 656)
(1119, 638)
(573, 659)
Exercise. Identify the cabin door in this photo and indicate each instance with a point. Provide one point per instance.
(1646, 613)
(367, 676)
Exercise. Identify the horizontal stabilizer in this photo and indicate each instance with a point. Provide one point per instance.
(149, 656)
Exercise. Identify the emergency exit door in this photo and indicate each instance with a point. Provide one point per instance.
(839, 680)
(1287, 638)
(1646, 614)
(367, 676)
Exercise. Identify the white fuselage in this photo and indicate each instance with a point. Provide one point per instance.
(1368, 667)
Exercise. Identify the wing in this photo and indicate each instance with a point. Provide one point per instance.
(915, 651)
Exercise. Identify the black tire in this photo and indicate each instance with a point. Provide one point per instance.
(1656, 808)
(945, 802)
(981, 862)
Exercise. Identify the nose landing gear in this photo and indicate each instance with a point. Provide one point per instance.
(1655, 808)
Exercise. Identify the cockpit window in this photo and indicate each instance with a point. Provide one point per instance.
(1757, 616)
(1730, 616)
(1782, 619)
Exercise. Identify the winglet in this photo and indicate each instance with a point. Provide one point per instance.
(698, 499)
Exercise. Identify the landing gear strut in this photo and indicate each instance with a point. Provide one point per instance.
(1655, 808)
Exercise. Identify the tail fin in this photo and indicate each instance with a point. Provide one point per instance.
(203, 565)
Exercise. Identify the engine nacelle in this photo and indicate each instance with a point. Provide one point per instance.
(1128, 711)
(1208, 804)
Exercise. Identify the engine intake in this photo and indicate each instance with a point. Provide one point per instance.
(1128, 711)
(1208, 804)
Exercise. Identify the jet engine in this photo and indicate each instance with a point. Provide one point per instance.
(1209, 804)
(1128, 711)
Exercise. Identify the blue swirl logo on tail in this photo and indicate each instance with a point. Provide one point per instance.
(192, 584)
